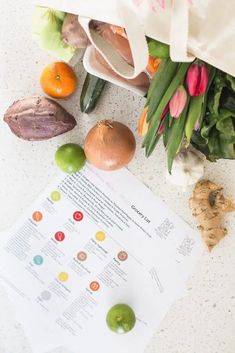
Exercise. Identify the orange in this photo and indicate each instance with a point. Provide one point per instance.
(58, 80)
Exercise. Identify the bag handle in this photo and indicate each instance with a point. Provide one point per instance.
(136, 36)
(179, 31)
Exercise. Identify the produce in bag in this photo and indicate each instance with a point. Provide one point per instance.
(117, 41)
(141, 81)
(73, 33)
(46, 31)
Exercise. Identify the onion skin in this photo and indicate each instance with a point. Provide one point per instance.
(109, 145)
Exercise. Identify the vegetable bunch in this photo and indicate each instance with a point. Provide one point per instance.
(189, 103)
(216, 136)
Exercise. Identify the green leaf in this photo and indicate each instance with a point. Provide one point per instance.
(207, 126)
(231, 79)
(199, 143)
(228, 100)
(218, 84)
(156, 80)
(161, 83)
(225, 123)
(194, 113)
(217, 136)
(212, 73)
(156, 140)
(167, 128)
(177, 135)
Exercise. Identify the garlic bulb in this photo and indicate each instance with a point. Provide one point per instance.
(187, 168)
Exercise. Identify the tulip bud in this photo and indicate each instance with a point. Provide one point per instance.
(178, 101)
(197, 79)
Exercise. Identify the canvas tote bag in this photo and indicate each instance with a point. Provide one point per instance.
(193, 28)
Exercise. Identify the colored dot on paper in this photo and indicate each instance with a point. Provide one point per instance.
(56, 196)
(59, 236)
(63, 276)
(100, 236)
(94, 286)
(46, 295)
(37, 216)
(82, 256)
(122, 256)
(78, 216)
(38, 260)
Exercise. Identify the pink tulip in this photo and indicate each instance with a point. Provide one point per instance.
(197, 79)
(178, 101)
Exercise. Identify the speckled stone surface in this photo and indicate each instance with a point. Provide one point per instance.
(201, 322)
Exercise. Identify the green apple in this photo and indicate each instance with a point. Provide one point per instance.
(70, 158)
(121, 318)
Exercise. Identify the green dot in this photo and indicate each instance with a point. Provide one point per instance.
(55, 196)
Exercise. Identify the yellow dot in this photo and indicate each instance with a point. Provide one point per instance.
(100, 236)
(63, 276)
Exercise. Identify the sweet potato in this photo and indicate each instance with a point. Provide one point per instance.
(38, 118)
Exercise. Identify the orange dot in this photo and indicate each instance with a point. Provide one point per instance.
(37, 216)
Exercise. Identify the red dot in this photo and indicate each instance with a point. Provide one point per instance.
(59, 236)
(78, 216)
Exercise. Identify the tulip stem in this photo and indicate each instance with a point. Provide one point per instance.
(149, 140)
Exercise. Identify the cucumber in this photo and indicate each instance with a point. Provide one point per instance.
(91, 91)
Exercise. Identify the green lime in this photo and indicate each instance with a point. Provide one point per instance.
(121, 318)
(158, 49)
(70, 158)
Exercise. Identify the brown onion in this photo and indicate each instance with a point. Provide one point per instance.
(109, 145)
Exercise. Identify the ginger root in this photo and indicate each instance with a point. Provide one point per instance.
(208, 205)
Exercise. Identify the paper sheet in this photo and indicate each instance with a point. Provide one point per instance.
(91, 240)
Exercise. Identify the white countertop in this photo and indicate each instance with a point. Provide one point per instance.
(203, 321)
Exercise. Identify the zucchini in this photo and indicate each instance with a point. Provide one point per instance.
(91, 91)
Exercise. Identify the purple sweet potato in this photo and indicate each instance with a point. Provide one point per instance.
(38, 118)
